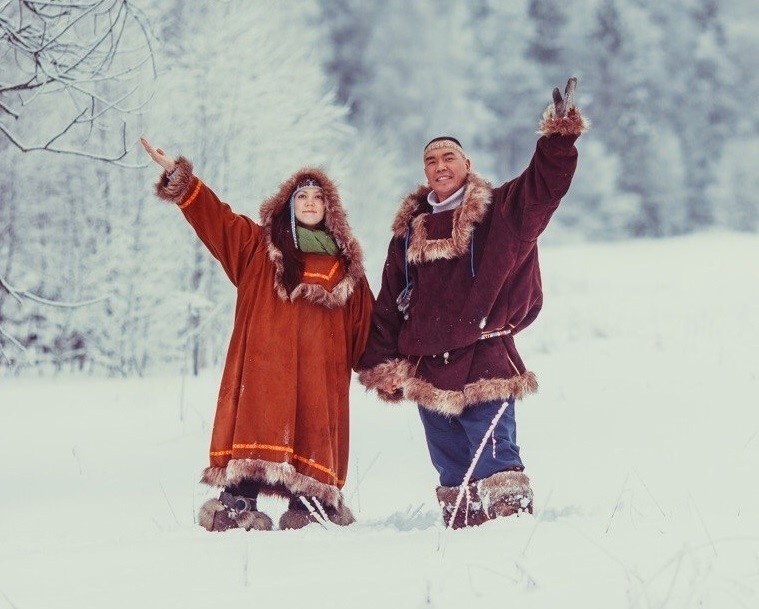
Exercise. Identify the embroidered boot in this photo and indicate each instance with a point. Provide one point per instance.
(233, 511)
(298, 515)
(469, 511)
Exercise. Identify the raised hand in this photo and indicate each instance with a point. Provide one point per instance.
(158, 155)
(561, 104)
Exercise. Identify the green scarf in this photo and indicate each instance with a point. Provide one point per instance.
(315, 241)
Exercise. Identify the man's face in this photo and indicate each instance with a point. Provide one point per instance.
(446, 170)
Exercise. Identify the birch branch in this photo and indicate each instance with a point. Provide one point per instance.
(19, 294)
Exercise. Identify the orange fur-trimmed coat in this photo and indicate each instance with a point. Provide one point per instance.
(282, 412)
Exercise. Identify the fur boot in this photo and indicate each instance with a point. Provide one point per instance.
(505, 493)
(298, 515)
(232, 512)
(502, 494)
(469, 511)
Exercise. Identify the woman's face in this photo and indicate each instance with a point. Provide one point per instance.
(309, 206)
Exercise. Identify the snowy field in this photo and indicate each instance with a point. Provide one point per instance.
(643, 448)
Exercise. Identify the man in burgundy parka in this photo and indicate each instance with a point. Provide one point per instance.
(461, 278)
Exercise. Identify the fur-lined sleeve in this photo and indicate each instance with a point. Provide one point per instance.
(230, 237)
(179, 186)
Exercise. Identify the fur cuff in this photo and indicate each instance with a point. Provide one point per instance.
(574, 123)
(392, 372)
(505, 483)
(176, 190)
(505, 493)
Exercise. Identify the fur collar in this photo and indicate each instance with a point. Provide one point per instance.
(337, 225)
(478, 196)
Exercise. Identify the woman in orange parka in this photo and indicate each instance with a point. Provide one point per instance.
(301, 323)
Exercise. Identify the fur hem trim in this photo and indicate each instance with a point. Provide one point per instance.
(178, 188)
(276, 475)
(336, 222)
(214, 476)
(392, 372)
(574, 123)
(453, 403)
(478, 196)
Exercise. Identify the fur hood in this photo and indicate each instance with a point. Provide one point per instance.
(183, 188)
(336, 223)
(478, 196)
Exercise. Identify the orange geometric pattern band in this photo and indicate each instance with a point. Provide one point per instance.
(332, 272)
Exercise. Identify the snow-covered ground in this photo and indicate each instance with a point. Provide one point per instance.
(643, 448)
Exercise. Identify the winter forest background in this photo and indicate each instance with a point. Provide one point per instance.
(98, 275)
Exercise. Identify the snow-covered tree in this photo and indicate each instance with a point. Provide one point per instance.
(348, 25)
(508, 83)
(695, 98)
(734, 193)
(548, 45)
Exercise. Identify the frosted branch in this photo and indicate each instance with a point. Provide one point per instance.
(19, 294)
(12, 339)
(96, 52)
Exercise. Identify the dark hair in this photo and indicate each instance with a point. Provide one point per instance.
(443, 137)
(292, 259)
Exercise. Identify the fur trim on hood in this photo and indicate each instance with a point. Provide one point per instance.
(478, 196)
(336, 223)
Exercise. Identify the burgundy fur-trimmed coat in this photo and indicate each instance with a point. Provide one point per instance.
(282, 412)
(474, 272)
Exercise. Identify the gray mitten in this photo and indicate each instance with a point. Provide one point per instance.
(562, 117)
(561, 104)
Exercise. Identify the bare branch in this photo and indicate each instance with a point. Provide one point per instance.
(97, 52)
(9, 289)
(66, 129)
(62, 304)
(5, 108)
(13, 340)
(73, 151)
(19, 294)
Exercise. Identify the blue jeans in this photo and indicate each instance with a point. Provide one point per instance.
(453, 441)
